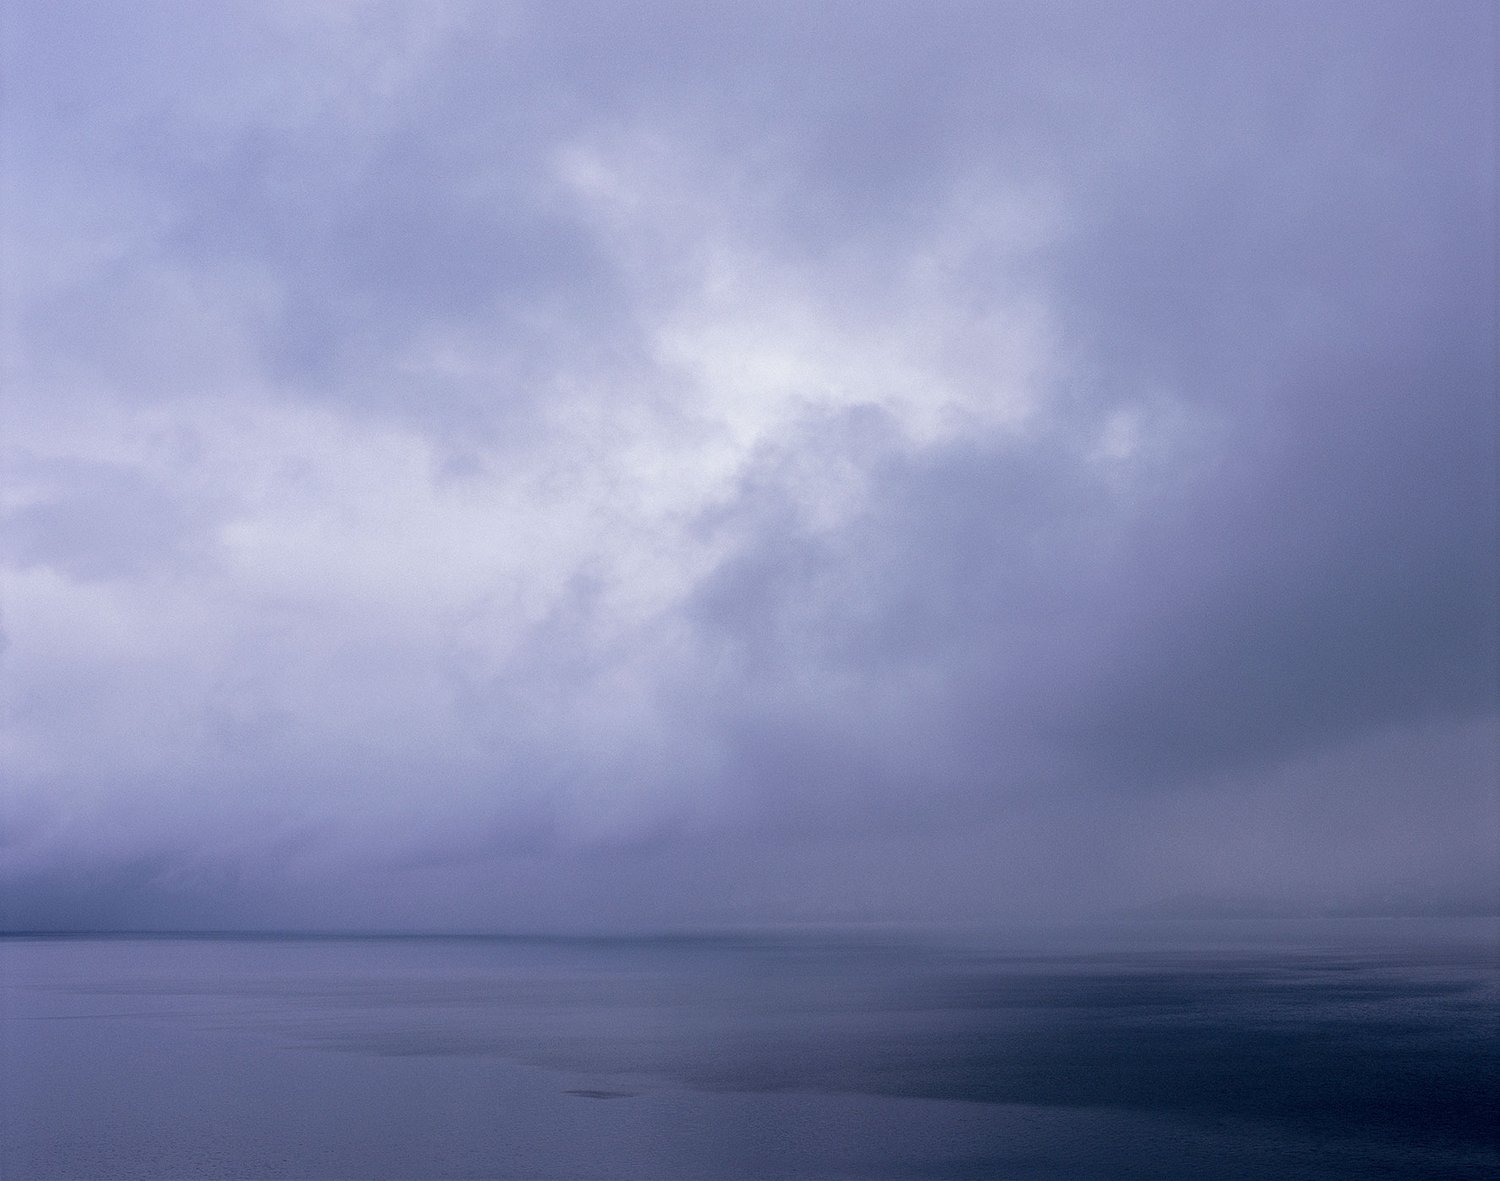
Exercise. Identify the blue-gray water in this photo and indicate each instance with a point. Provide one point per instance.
(1335, 1050)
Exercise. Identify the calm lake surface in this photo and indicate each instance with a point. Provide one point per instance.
(1354, 1049)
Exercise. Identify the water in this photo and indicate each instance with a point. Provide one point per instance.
(1336, 1050)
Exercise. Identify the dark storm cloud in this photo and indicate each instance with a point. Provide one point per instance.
(681, 463)
(1296, 249)
(1217, 621)
(155, 891)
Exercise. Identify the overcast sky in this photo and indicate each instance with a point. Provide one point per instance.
(610, 465)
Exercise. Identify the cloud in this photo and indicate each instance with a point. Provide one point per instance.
(651, 465)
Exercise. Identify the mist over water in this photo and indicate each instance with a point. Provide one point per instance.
(1340, 1049)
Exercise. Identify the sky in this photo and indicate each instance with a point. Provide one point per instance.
(606, 466)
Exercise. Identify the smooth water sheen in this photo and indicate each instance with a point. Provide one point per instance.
(1335, 1050)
